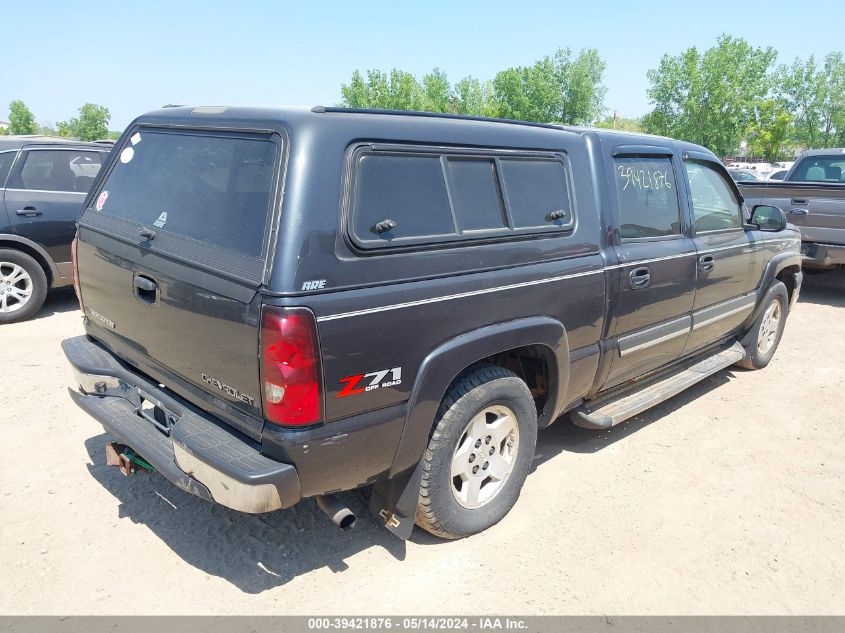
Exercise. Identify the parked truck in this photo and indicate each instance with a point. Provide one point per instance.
(285, 303)
(812, 195)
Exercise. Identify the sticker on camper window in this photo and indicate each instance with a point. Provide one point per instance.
(135, 138)
(126, 155)
(101, 200)
(162, 220)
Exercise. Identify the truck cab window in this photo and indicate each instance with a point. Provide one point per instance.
(648, 198)
(715, 206)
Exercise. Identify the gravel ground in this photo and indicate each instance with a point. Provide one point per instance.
(726, 499)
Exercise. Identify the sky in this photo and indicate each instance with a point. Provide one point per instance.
(136, 56)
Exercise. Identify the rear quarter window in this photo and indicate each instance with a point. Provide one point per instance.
(6, 160)
(403, 197)
(211, 188)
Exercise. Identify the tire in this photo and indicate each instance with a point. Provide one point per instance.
(23, 286)
(485, 402)
(764, 336)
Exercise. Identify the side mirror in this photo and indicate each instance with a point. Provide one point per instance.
(768, 218)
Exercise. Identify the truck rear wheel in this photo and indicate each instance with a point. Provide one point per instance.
(23, 286)
(764, 337)
(479, 454)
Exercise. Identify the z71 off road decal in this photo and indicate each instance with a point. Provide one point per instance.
(359, 383)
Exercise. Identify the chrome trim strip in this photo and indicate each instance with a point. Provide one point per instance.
(745, 303)
(77, 146)
(460, 295)
(76, 193)
(653, 342)
(685, 322)
(751, 246)
(651, 261)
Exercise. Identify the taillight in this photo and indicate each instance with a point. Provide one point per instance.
(290, 366)
(73, 264)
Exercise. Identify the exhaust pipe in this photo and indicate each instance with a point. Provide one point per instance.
(335, 509)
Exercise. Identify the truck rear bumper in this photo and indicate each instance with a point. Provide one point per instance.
(186, 446)
(822, 255)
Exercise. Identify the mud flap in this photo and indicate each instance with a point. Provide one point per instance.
(394, 501)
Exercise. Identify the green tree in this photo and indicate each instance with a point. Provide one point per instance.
(527, 93)
(769, 130)
(21, 119)
(558, 89)
(91, 124)
(473, 98)
(581, 85)
(436, 93)
(563, 88)
(840, 130)
(709, 98)
(398, 90)
(816, 96)
(614, 122)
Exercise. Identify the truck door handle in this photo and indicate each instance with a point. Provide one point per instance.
(800, 201)
(145, 288)
(706, 263)
(798, 211)
(640, 278)
(28, 212)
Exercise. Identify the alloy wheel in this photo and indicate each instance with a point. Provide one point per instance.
(15, 287)
(769, 327)
(485, 456)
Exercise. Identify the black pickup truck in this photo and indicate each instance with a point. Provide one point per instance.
(286, 303)
(813, 197)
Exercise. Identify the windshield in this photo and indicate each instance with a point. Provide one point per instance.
(209, 187)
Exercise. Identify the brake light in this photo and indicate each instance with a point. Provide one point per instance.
(290, 366)
(73, 247)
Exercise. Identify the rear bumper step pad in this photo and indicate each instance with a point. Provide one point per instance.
(199, 456)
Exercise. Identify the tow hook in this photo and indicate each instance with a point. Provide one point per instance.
(126, 459)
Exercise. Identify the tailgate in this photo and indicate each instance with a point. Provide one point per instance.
(171, 254)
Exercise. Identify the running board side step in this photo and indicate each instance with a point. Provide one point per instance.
(603, 413)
